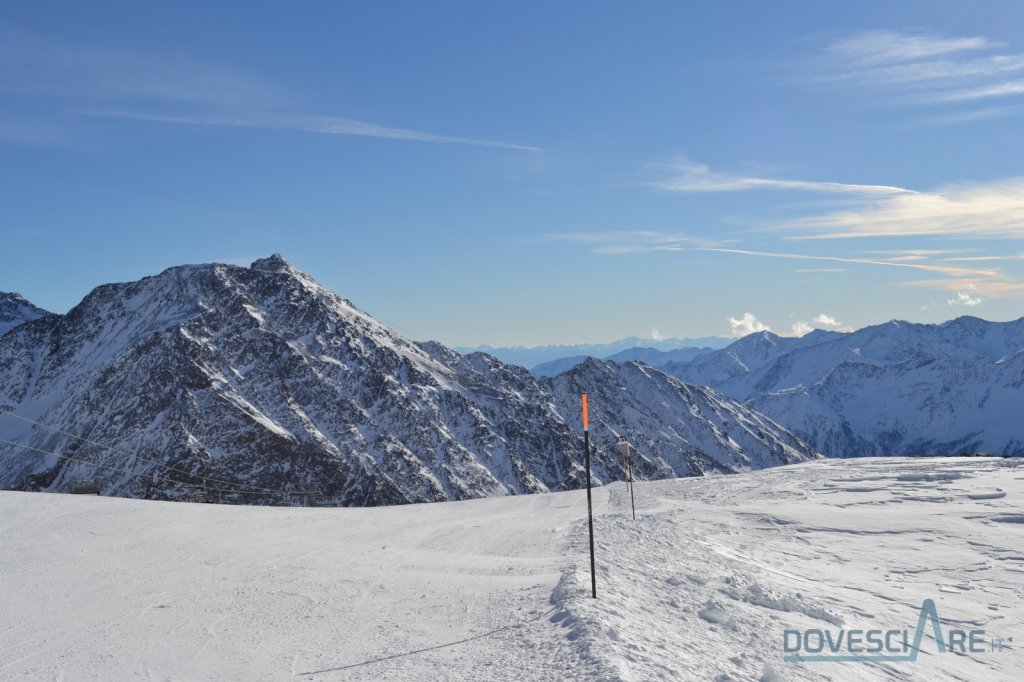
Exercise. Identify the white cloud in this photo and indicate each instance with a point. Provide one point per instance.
(801, 329)
(968, 298)
(687, 176)
(822, 321)
(748, 324)
(656, 335)
(325, 125)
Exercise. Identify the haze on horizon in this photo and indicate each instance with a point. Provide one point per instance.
(529, 175)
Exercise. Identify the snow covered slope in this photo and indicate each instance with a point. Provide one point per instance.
(258, 380)
(701, 586)
(730, 368)
(896, 388)
(15, 310)
(673, 426)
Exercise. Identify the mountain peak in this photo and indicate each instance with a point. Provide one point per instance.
(15, 309)
(274, 263)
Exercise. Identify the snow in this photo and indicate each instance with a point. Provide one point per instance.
(700, 586)
(891, 389)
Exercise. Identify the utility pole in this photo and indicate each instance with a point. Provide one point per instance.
(590, 508)
(625, 450)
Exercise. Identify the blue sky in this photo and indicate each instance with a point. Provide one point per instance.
(528, 173)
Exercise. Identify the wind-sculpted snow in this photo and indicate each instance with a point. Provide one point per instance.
(896, 388)
(252, 381)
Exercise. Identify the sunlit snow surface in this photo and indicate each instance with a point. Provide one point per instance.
(700, 586)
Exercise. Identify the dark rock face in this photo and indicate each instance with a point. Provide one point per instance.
(252, 381)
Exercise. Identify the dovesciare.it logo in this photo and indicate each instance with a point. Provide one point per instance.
(814, 645)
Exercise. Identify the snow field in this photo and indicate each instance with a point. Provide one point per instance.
(699, 587)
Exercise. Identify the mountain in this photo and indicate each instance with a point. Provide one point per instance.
(15, 310)
(251, 381)
(536, 355)
(648, 356)
(889, 389)
(675, 427)
(733, 364)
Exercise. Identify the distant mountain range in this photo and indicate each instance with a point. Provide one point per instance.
(531, 357)
(648, 356)
(250, 382)
(891, 389)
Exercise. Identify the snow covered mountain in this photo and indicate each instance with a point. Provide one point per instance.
(675, 427)
(15, 310)
(894, 388)
(733, 364)
(250, 381)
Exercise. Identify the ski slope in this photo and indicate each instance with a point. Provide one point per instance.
(701, 586)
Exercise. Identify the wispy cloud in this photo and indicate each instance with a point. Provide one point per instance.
(323, 125)
(1002, 287)
(635, 241)
(924, 70)
(31, 64)
(687, 176)
(117, 83)
(880, 47)
(994, 90)
(982, 210)
(971, 115)
(990, 282)
(951, 270)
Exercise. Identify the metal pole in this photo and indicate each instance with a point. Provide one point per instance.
(590, 508)
(629, 474)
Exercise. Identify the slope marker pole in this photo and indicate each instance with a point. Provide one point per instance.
(629, 473)
(590, 508)
(625, 449)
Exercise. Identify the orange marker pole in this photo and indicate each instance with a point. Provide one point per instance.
(590, 507)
